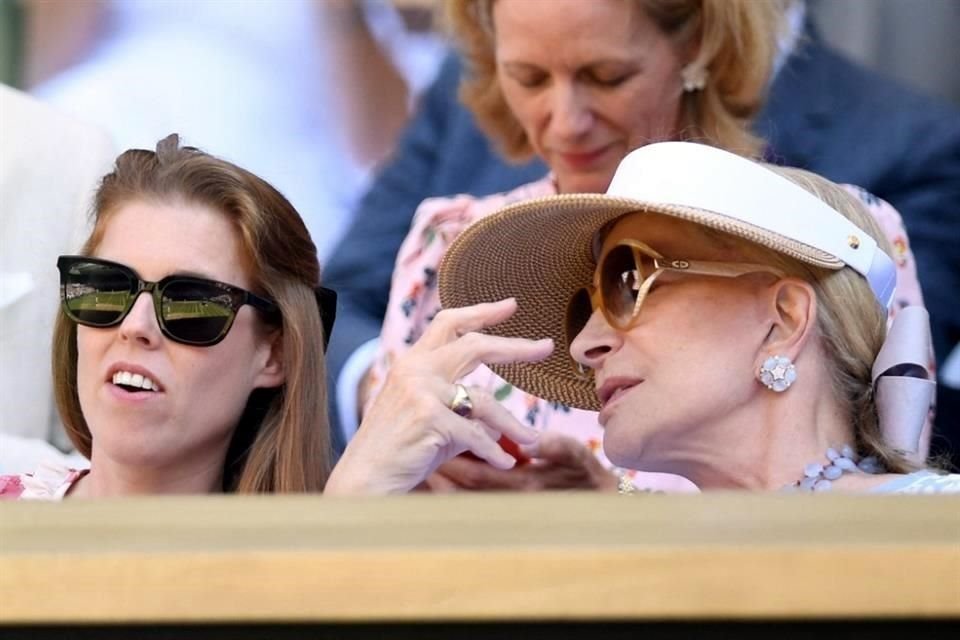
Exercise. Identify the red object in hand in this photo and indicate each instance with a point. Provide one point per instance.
(513, 449)
(507, 445)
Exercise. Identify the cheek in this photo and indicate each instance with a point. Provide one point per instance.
(91, 346)
(698, 344)
(651, 116)
(710, 358)
(220, 383)
(525, 107)
(222, 380)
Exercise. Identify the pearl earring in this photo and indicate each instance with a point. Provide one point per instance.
(777, 373)
(694, 77)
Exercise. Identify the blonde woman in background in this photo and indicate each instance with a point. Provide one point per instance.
(580, 84)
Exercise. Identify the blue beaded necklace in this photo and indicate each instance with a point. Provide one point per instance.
(817, 477)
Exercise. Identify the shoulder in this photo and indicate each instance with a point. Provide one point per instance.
(50, 481)
(922, 482)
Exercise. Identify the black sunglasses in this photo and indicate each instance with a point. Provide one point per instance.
(193, 311)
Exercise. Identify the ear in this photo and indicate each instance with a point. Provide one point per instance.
(793, 317)
(269, 357)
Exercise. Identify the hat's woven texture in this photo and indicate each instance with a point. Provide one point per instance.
(540, 252)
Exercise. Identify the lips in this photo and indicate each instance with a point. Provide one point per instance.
(611, 390)
(614, 386)
(583, 159)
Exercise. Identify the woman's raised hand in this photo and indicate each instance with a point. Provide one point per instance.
(411, 428)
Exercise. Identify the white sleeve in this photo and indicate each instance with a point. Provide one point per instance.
(348, 384)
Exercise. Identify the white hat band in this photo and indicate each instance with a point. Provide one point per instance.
(743, 190)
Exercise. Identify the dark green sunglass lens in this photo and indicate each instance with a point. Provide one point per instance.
(195, 312)
(96, 294)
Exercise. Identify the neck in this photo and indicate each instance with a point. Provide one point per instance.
(762, 446)
(111, 478)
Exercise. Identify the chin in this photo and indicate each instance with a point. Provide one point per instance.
(623, 446)
(128, 441)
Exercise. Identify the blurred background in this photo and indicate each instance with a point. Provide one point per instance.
(310, 94)
(916, 41)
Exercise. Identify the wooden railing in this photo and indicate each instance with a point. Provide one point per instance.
(473, 558)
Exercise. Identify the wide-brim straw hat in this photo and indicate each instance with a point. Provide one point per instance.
(541, 251)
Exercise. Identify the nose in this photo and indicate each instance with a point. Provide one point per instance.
(596, 342)
(571, 115)
(140, 325)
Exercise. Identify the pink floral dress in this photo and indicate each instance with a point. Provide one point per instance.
(51, 481)
(414, 301)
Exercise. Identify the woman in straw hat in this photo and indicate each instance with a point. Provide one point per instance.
(728, 320)
(630, 73)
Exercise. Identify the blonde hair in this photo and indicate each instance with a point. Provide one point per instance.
(281, 443)
(851, 325)
(737, 46)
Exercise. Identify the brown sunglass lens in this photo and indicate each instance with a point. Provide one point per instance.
(620, 280)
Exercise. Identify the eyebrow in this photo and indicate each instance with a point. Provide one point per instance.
(627, 63)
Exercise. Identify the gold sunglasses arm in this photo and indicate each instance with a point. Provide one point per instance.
(710, 268)
(644, 290)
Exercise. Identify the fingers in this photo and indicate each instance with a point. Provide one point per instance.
(479, 432)
(462, 473)
(438, 482)
(452, 345)
(498, 419)
(462, 356)
(450, 324)
(559, 449)
(475, 437)
(575, 463)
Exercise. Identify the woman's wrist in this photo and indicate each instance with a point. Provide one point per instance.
(357, 476)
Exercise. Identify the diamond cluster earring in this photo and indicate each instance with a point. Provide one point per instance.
(777, 373)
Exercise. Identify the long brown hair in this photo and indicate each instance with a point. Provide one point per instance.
(735, 40)
(282, 443)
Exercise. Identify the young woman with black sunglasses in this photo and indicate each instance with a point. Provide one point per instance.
(214, 380)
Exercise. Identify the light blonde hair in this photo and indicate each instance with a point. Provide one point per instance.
(737, 44)
(851, 325)
(282, 442)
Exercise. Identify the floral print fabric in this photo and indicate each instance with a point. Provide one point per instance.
(51, 481)
(414, 301)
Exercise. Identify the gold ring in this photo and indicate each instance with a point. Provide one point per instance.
(461, 404)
